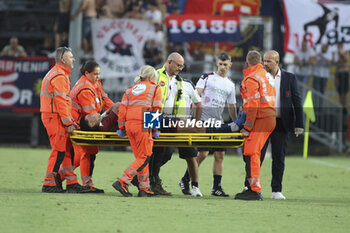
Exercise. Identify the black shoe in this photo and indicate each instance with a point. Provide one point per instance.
(249, 195)
(95, 190)
(158, 189)
(185, 187)
(146, 193)
(122, 188)
(77, 188)
(219, 192)
(51, 189)
(58, 181)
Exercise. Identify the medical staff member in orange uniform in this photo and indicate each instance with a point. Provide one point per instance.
(259, 104)
(88, 97)
(55, 108)
(144, 96)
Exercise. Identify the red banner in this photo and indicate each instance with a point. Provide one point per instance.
(223, 7)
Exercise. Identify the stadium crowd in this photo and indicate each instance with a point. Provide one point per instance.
(308, 62)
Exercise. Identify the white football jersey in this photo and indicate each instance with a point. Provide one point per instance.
(217, 91)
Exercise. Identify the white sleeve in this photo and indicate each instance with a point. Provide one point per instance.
(200, 83)
(231, 99)
(195, 96)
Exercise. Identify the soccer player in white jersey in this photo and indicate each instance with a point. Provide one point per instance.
(216, 89)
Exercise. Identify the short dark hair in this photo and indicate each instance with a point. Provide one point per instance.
(88, 66)
(223, 56)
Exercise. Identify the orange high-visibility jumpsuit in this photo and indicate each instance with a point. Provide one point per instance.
(55, 108)
(258, 102)
(87, 98)
(143, 96)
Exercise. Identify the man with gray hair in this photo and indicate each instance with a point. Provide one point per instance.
(55, 108)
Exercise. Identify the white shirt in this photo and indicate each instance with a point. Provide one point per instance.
(191, 96)
(217, 91)
(321, 67)
(276, 83)
(304, 70)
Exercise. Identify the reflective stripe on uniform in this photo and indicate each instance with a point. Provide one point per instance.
(75, 91)
(89, 107)
(124, 102)
(47, 80)
(267, 98)
(64, 95)
(75, 105)
(66, 120)
(254, 182)
(157, 103)
(146, 103)
(77, 87)
(257, 95)
(139, 102)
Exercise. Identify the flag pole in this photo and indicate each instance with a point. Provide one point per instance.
(306, 136)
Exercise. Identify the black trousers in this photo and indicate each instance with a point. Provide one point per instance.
(161, 155)
(279, 138)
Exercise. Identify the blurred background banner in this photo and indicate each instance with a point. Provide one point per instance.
(208, 28)
(224, 7)
(118, 46)
(320, 23)
(20, 83)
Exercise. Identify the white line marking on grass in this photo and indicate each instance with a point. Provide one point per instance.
(328, 164)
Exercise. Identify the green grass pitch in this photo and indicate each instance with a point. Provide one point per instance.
(317, 191)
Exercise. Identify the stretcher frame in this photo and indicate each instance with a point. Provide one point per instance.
(212, 140)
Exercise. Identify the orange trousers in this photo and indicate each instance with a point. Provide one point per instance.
(60, 150)
(84, 156)
(252, 147)
(141, 143)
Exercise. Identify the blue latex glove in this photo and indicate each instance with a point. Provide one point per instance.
(155, 134)
(121, 133)
(240, 119)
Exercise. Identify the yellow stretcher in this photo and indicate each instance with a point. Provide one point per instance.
(212, 140)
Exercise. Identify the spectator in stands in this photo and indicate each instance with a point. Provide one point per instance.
(135, 12)
(89, 12)
(158, 34)
(113, 9)
(62, 24)
(153, 14)
(99, 5)
(151, 53)
(46, 49)
(13, 49)
(321, 72)
(304, 59)
(172, 7)
(342, 75)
